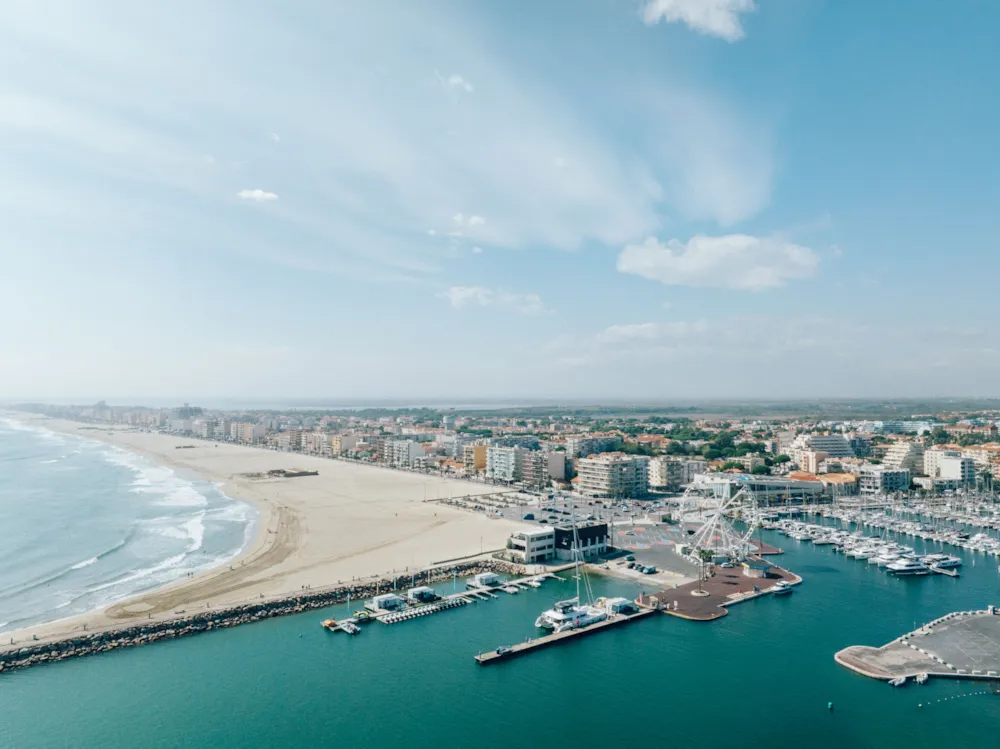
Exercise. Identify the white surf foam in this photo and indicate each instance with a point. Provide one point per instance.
(84, 563)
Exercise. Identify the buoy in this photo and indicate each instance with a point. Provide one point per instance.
(829, 706)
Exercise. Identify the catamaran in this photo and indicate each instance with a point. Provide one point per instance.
(572, 614)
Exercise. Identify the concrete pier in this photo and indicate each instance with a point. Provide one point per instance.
(960, 645)
(545, 641)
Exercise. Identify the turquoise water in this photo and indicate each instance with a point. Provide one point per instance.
(761, 677)
(84, 524)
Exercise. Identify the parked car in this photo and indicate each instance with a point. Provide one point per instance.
(630, 558)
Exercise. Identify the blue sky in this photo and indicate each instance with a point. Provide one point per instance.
(576, 199)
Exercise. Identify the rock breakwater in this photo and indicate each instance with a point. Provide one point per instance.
(189, 624)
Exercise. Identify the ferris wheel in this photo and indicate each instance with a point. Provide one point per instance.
(716, 518)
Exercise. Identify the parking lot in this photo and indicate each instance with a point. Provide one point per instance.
(629, 531)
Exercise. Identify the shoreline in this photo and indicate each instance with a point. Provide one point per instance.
(349, 523)
(261, 521)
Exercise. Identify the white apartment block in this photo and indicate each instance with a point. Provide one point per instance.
(504, 464)
(905, 456)
(666, 473)
(874, 480)
(834, 445)
(402, 453)
(933, 457)
(613, 475)
(958, 469)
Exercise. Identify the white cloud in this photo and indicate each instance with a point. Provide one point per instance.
(719, 18)
(650, 331)
(477, 250)
(275, 138)
(734, 261)
(258, 195)
(458, 82)
(461, 297)
(667, 305)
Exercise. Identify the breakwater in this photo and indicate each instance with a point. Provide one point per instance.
(190, 624)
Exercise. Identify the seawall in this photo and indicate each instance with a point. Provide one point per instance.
(141, 634)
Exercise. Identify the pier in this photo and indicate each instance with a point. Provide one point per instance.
(513, 651)
(725, 588)
(960, 645)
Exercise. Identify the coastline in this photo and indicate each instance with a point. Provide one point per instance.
(349, 523)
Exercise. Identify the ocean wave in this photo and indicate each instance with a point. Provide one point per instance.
(168, 564)
(173, 490)
(54, 460)
(47, 579)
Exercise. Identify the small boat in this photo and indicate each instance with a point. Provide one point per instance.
(782, 588)
(921, 678)
(350, 628)
(898, 681)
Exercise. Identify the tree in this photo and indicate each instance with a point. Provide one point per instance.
(783, 459)
(730, 464)
(986, 477)
(938, 436)
(761, 470)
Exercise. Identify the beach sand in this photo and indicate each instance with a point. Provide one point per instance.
(351, 521)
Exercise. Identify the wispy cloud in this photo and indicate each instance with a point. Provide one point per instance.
(734, 261)
(259, 196)
(461, 297)
(456, 82)
(719, 18)
(275, 138)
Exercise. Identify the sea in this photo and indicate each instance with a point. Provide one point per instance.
(84, 524)
(763, 676)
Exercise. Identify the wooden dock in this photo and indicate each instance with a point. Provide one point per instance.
(545, 641)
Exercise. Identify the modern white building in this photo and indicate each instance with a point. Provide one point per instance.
(613, 475)
(834, 445)
(768, 490)
(666, 473)
(402, 453)
(504, 464)
(905, 456)
(533, 545)
(956, 468)
(874, 480)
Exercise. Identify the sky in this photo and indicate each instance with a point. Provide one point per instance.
(588, 199)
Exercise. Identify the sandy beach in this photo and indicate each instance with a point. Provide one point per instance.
(351, 521)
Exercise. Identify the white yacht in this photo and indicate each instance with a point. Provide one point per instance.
(904, 566)
(570, 615)
(941, 561)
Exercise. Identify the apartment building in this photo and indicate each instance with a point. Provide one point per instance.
(290, 439)
(341, 443)
(505, 464)
(581, 447)
(474, 458)
(402, 453)
(666, 473)
(834, 445)
(874, 480)
(538, 467)
(905, 456)
(613, 475)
